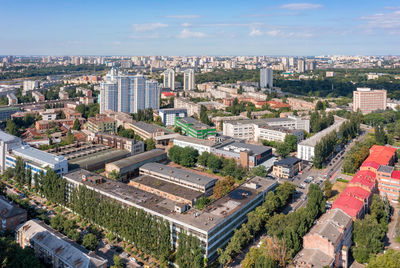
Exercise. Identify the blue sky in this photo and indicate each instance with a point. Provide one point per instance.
(219, 27)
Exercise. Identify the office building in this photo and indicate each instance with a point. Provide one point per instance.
(6, 112)
(7, 142)
(102, 123)
(305, 149)
(168, 115)
(36, 160)
(169, 79)
(146, 130)
(152, 93)
(268, 128)
(213, 226)
(193, 128)
(266, 78)
(188, 80)
(287, 168)
(367, 100)
(10, 215)
(54, 248)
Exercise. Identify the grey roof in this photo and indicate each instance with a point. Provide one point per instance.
(288, 161)
(260, 121)
(37, 155)
(385, 169)
(194, 140)
(178, 173)
(172, 109)
(312, 141)
(150, 128)
(132, 160)
(8, 210)
(6, 137)
(193, 122)
(256, 149)
(312, 258)
(65, 249)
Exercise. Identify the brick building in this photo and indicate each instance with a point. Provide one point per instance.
(10, 215)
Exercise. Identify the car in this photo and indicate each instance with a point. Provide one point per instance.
(304, 197)
(140, 263)
(303, 185)
(132, 259)
(124, 255)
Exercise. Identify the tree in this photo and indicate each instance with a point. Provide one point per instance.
(282, 150)
(391, 259)
(69, 225)
(189, 157)
(118, 263)
(77, 125)
(2, 188)
(258, 171)
(291, 142)
(224, 186)
(213, 162)
(175, 153)
(328, 188)
(90, 241)
(380, 135)
(204, 116)
(20, 170)
(57, 222)
(12, 128)
(115, 175)
(36, 182)
(202, 159)
(178, 130)
(12, 255)
(73, 234)
(29, 177)
(150, 144)
(319, 105)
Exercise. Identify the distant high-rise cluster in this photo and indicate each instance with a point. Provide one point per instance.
(169, 79)
(128, 93)
(266, 78)
(188, 80)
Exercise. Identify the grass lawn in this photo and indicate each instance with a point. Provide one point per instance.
(337, 188)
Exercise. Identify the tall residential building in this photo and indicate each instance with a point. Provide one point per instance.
(368, 100)
(301, 66)
(188, 80)
(152, 95)
(169, 79)
(266, 78)
(128, 93)
(108, 96)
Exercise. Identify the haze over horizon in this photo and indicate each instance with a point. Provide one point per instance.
(200, 28)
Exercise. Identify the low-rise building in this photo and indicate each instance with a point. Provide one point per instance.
(114, 141)
(200, 145)
(129, 166)
(168, 115)
(275, 133)
(101, 123)
(328, 242)
(145, 130)
(191, 107)
(10, 215)
(305, 149)
(55, 248)
(12, 99)
(63, 95)
(193, 128)
(6, 112)
(38, 96)
(48, 115)
(299, 104)
(287, 168)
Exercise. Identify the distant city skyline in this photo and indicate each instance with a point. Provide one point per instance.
(182, 28)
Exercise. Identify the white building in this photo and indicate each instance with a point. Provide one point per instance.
(305, 149)
(168, 115)
(266, 78)
(108, 96)
(7, 142)
(198, 144)
(30, 85)
(152, 95)
(138, 97)
(273, 133)
(169, 79)
(188, 80)
(301, 66)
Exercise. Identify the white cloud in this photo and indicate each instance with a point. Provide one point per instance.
(189, 34)
(185, 24)
(389, 21)
(300, 6)
(274, 32)
(187, 16)
(148, 27)
(255, 32)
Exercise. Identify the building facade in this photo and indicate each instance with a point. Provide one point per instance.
(168, 115)
(266, 78)
(367, 100)
(188, 80)
(10, 215)
(169, 79)
(101, 123)
(287, 168)
(193, 128)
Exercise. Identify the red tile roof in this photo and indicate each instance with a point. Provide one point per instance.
(349, 204)
(277, 104)
(396, 174)
(363, 178)
(370, 164)
(168, 94)
(381, 154)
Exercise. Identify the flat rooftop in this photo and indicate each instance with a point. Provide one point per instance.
(193, 122)
(4, 136)
(168, 187)
(99, 158)
(150, 128)
(241, 146)
(181, 174)
(202, 220)
(259, 121)
(312, 141)
(37, 156)
(194, 140)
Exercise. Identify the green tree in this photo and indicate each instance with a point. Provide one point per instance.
(73, 234)
(178, 130)
(189, 157)
(328, 188)
(2, 188)
(282, 150)
(149, 144)
(57, 222)
(29, 177)
(258, 171)
(291, 142)
(175, 153)
(12, 128)
(213, 162)
(204, 116)
(380, 135)
(115, 175)
(77, 125)
(202, 159)
(391, 259)
(90, 241)
(118, 263)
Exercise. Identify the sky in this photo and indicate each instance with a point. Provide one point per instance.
(219, 27)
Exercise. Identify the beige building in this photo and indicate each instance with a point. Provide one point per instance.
(102, 123)
(54, 248)
(368, 100)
